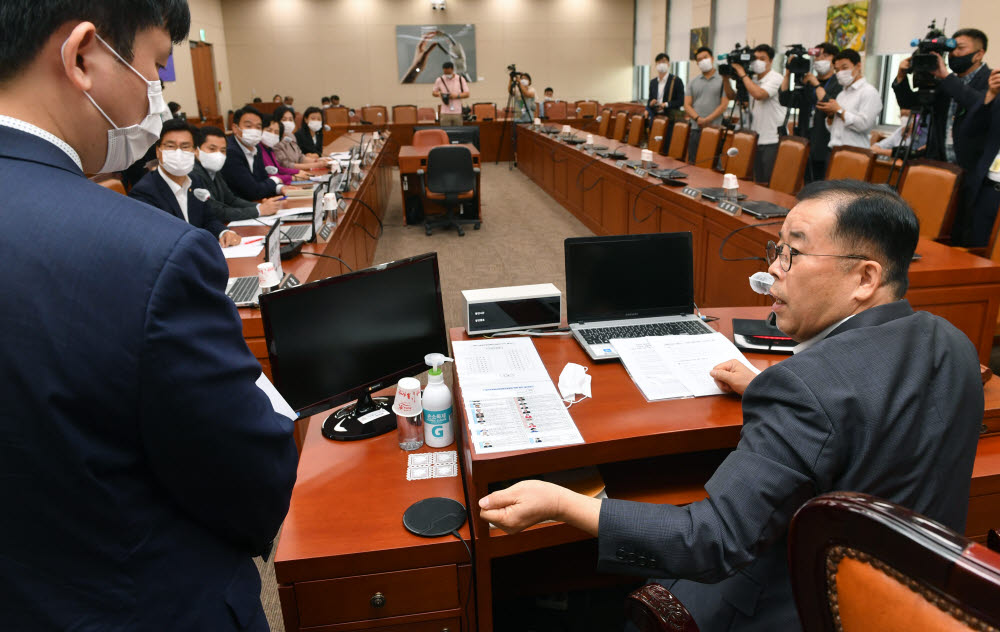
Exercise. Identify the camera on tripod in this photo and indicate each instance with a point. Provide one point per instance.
(923, 63)
(798, 60)
(512, 69)
(739, 56)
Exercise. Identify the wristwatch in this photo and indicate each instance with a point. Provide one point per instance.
(840, 112)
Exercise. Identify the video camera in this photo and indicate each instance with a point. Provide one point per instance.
(924, 62)
(798, 59)
(739, 56)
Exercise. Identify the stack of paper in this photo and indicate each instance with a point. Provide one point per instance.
(249, 247)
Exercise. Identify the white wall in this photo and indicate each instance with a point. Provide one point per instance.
(205, 14)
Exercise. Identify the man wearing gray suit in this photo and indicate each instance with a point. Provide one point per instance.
(877, 399)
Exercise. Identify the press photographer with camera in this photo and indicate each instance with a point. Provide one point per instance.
(523, 98)
(951, 96)
(853, 114)
(666, 92)
(981, 188)
(451, 88)
(814, 86)
(766, 111)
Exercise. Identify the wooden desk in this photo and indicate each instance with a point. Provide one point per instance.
(353, 240)
(343, 541)
(958, 286)
(620, 427)
(412, 159)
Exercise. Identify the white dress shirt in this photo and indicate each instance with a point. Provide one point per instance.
(180, 192)
(767, 115)
(18, 124)
(861, 104)
(661, 85)
(250, 154)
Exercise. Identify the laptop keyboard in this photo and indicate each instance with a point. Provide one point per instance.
(295, 233)
(602, 335)
(243, 289)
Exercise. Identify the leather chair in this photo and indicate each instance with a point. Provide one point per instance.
(741, 165)
(556, 110)
(604, 123)
(679, 140)
(621, 122)
(404, 114)
(636, 127)
(657, 132)
(861, 563)
(708, 144)
(375, 114)
(586, 109)
(790, 163)
(484, 111)
(931, 189)
(430, 138)
(850, 162)
(338, 115)
(298, 120)
(450, 179)
(426, 115)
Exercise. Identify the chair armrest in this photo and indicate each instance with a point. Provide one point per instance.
(653, 608)
(476, 170)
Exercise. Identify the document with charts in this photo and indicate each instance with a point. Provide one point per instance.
(510, 401)
(671, 367)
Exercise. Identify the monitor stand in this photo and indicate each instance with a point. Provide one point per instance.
(368, 417)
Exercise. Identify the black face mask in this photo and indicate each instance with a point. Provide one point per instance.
(960, 64)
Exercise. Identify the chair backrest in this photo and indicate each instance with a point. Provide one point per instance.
(850, 162)
(861, 563)
(708, 144)
(790, 165)
(430, 138)
(635, 129)
(931, 189)
(656, 133)
(375, 114)
(678, 148)
(298, 120)
(604, 124)
(484, 111)
(450, 170)
(621, 122)
(426, 114)
(556, 109)
(338, 115)
(587, 109)
(740, 165)
(406, 114)
(114, 184)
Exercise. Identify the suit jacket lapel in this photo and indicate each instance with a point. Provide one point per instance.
(874, 316)
(163, 189)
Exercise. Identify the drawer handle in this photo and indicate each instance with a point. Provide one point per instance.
(377, 600)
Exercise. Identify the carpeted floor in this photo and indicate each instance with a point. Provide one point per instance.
(520, 243)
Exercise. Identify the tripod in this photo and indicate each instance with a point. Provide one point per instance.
(740, 109)
(512, 121)
(923, 115)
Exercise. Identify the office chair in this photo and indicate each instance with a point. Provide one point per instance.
(338, 115)
(850, 162)
(450, 179)
(557, 110)
(790, 165)
(430, 137)
(621, 122)
(404, 114)
(679, 137)
(740, 165)
(426, 115)
(605, 122)
(588, 109)
(484, 111)
(657, 133)
(931, 189)
(375, 114)
(708, 144)
(635, 130)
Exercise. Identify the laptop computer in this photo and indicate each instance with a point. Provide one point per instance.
(308, 232)
(245, 291)
(629, 286)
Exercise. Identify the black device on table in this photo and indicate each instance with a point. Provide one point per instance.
(345, 337)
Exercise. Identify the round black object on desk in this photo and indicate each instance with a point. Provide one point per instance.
(434, 517)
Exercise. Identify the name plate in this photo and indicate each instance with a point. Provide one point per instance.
(640, 172)
(620, 164)
(325, 231)
(691, 192)
(730, 208)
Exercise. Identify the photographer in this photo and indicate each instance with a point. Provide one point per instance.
(817, 85)
(981, 189)
(666, 92)
(853, 114)
(524, 106)
(766, 112)
(451, 88)
(954, 96)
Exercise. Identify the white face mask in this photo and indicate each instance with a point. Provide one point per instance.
(822, 66)
(574, 380)
(705, 65)
(758, 67)
(326, 106)
(212, 161)
(177, 162)
(662, 68)
(845, 77)
(289, 126)
(251, 137)
(128, 144)
(270, 139)
(315, 126)
(524, 82)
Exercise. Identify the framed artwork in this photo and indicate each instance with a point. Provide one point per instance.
(847, 25)
(420, 51)
(699, 38)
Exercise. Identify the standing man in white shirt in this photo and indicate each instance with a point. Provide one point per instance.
(853, 114)
(451, 88)
(666, 92)
(766, 112)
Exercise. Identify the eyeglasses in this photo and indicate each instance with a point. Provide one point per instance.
(170, 146)
(784, 254)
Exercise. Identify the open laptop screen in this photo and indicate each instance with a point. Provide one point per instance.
(629, 276)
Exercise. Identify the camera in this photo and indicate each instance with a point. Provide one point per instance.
(924, 62)
(512, 69)
(797, 59)
(739, 56)
(445, 98)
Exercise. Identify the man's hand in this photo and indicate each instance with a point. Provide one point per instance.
(702, 121)
(942, 70)
(740, 72)
(810, 79)
(881, 151)
(228, 238)
(270, 206)
(904, 67)
(732, 376)
(522, 505)
(993, 85)
(830, 107)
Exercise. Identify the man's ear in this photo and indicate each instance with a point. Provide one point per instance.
(79, 55)
(871, 277)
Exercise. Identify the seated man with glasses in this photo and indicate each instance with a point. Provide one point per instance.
(877, 399)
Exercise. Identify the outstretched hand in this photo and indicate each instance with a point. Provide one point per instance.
(732, 376)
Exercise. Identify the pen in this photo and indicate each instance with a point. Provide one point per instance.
(253, 241)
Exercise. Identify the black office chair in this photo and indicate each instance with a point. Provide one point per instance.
(449, 179)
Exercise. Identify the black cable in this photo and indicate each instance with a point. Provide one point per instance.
(596, 182)
(366, 231)
(319, 254)
(733, 232)
(472, 570)
(554, 161)
(381, 228)
(635, 202)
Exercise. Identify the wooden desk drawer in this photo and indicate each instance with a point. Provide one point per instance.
(438, 625)
(405, 592)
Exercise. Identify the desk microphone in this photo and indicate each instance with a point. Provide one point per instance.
(670, 178)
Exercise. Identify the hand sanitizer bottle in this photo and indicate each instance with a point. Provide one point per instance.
(438, 429)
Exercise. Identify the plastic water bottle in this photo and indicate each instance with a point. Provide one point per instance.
(438, 429)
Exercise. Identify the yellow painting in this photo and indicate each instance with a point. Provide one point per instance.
(847, 25)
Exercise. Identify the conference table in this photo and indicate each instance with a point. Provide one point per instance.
(612, 200)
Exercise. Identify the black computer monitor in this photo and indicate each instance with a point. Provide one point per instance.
(345, 337)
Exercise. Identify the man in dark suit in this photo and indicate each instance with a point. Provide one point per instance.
(981, 186)
(143, 464)
(244, 168)
(877, 399)
(666, 92)
(222, 202)
(169, 188)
